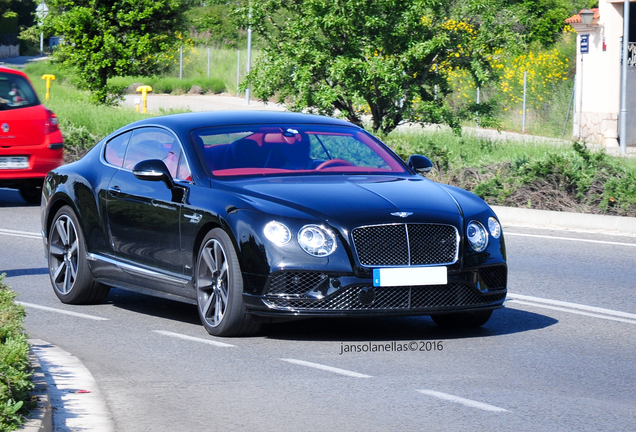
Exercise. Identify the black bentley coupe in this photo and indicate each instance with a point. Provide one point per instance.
(262, 216)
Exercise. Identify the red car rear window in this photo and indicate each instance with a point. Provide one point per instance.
(16, 92)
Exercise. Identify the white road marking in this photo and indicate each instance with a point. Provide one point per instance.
(572, 305)
(327, 368)
(23, 234)
(571, 239)
(572, 311)
(61, 311)
(569, 230)
(460, 400)
(194, 339)
(79, 404)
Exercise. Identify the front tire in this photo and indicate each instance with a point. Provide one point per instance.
(462, 319)
(219, 287)
(70, 275)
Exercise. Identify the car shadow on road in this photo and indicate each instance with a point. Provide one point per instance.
(12, 198)
(153, 306)
(25, 272)
(503, 321)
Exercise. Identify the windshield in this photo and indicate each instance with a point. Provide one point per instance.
(292, 149)
(16, 92)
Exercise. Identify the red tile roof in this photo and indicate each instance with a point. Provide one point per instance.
(576, 19)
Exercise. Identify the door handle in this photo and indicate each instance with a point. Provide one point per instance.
(114, 191)
(194, 218)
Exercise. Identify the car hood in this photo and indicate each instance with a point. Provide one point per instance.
(365, 199)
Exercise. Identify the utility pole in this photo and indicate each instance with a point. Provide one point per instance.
(623, 113)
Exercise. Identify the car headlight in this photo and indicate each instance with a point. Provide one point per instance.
(277, 233)
(494, 227)
(316, 240)
(477, 236)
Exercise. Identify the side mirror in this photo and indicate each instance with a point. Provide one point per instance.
(153, 170)
(420, 164)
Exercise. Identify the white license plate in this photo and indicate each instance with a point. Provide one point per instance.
(14, 162)
(409, 276)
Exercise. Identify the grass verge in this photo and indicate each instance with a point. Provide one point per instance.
(15, 373)
(224, 65)
(82, 123)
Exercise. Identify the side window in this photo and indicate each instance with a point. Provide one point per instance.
(116, 149)
(153, 143)
(183, 173)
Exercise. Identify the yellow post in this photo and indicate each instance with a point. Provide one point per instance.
(144, 92)
(48, 78)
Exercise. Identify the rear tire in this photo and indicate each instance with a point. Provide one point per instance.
(462, 319)
(70, 275)
(219, 287)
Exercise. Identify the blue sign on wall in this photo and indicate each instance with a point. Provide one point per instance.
(585, 43)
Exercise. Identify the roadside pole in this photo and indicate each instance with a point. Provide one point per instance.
(477, 116)
(181, 62)
(249, 62)
(623, 114)
(523, 117)
(238, 72)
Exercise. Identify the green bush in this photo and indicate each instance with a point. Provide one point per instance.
(15, 372)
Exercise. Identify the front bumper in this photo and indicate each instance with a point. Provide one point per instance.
(306, 293)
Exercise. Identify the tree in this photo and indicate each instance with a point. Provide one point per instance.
(4, 6)
(24, 9)
(543, 20)
(389, 58)
(105, 38)
(214, 24)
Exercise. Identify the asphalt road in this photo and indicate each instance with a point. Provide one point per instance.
(560, 356)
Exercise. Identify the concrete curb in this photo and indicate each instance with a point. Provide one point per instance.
(41, 418)
(565, 220)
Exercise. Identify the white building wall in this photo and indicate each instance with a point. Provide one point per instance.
(597, 101)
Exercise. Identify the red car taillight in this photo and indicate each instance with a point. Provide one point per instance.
(51, 123)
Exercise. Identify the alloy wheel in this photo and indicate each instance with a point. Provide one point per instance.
(64, 254)
(212, 283)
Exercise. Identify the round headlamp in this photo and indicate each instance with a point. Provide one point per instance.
(477, 236)
(494, 227)
(277, 233)
(316, 240)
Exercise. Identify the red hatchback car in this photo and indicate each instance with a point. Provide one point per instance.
(31, 143)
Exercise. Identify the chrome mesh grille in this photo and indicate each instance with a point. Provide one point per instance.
(381, 245)
(394, 298)
(495, 277)
(406, 244)
(294, 283)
